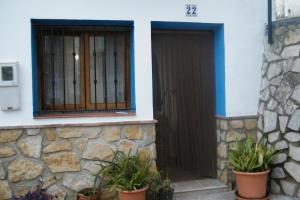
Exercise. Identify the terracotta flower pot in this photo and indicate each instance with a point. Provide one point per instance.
(133, 195)
(252, 185)
(85, 195)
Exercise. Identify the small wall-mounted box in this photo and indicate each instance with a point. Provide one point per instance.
(9, 86)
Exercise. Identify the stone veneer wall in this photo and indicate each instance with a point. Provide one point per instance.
(279, 112)
(65, 157)
(228, 131)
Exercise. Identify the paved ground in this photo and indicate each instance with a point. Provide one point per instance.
(229, 196)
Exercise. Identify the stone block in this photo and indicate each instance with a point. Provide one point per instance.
(57, 146)
(111, 134)
(222, 150)
(270, 121)
(235, 124)
(21, 170)
(31, 146)
(223, 124)
(148, 152)
(293, 169)
(288, 187)
(292, 37)
(290, 107)
(50, 133)
(133, 132)
(98, 150)
(281, 145)
(127, 146)
(292, 137)
(2, 171)
(275, 187)
(296, 66)
(75, 132)
(270, 56)
(273, 137)
(80, 143)
(78, 181)
(282, 123)
(6, 151)
(58, 192)
(272, 104)
(294, 152)
(9, 135)
(91, 166)
(265, 95)
(274, 70)
(49, 181)
(278, 173)
(5, 192)
(279, 158)
(33, 131)
(296, 94)
(294, 122)
(290, 51)
(251, 124)
(149, 134)
(233, 136)
(62, 162)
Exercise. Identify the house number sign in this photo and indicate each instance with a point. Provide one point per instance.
(191, 10)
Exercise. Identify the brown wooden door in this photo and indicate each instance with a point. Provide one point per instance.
(184, 103)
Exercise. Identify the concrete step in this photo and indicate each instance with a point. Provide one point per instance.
(195, 188)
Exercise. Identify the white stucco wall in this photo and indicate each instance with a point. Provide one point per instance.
(244, 22)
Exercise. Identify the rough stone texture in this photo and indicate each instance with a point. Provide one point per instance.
(279, 105)
(222, 150)
(111, 134)
(273, 137)
(62, 162)
(5, 192)
(31, 146)
(233, 136)
(20, 169)
(2, 171)
(251, 124)
(293, 169)
(127, 146)
(50, 133)
(280, 158)
(6, 151)
(294, 152)
(75, 132)
(278, 173)
(67, 156)
(98, 150)
(283, 123)
(275, 188)
(288, 187)
(78, 181)
(281, 145)
(57, 146)
(292, 137)
(148, 152)
(270, 121)
(9, 135)
(294, 122)
(237, 124)
(133, 132)
(33, 131)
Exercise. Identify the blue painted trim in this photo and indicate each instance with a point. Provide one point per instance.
(62, 22)
(34, 72)
(219, 59)
(132, 71)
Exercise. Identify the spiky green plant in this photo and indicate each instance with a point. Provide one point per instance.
(124, 172)
(251, 156)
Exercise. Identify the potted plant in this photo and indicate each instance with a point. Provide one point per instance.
(128, 174)
(89, 194)
(159, 188)
(251, 165)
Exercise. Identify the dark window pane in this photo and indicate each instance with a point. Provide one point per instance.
(7, 73)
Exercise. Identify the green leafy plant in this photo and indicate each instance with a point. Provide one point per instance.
(251, 156)
(159, 188)
(124, 172)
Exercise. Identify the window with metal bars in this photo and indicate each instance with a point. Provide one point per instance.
(83, 68)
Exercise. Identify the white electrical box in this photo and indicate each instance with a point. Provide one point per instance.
(9, 87)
